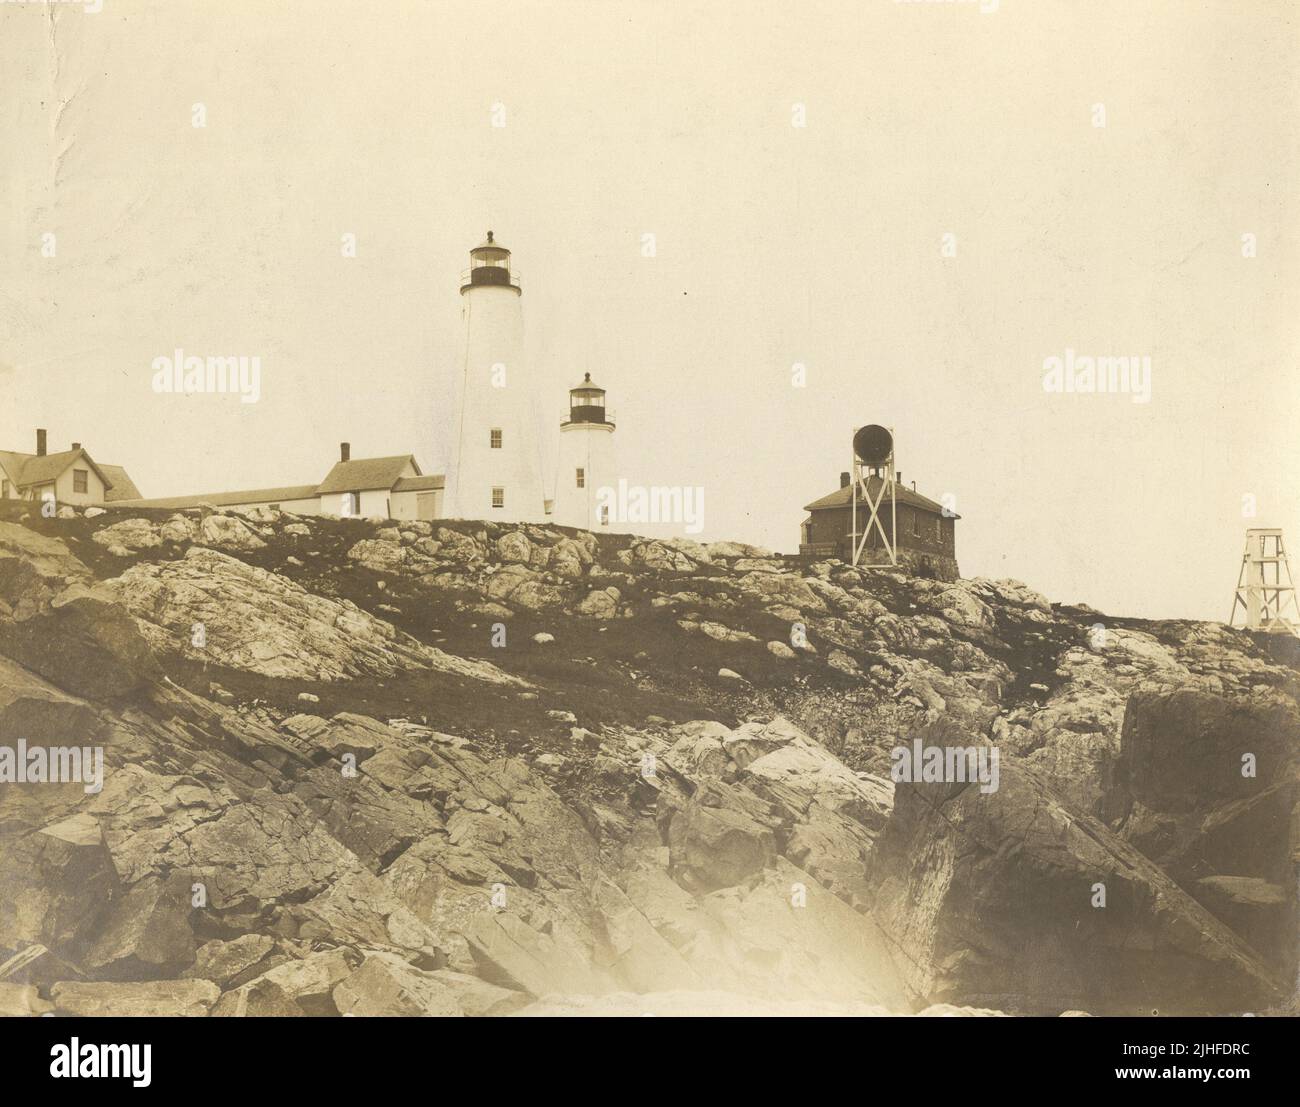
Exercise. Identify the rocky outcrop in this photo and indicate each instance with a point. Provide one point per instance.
(144, 934)
(56, 621)
(1211, 792)
(128, 536)
(1008, 899)
(57, 877)
(460, 884)
(665, 788)
(210, 605)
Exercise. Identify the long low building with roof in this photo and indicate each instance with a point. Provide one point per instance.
(369, 487)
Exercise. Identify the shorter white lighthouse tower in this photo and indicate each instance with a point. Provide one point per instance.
(587, 461)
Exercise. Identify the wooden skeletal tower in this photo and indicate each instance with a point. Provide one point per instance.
(1265, 590)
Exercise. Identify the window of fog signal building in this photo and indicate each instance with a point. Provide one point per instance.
(581, 478)
(80, 482)
(604, 516)
(498, 497)
(496, 438)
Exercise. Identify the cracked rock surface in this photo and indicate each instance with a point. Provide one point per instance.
(461, 769)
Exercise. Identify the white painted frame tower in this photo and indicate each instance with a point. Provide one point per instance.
(494, 466)
(1270, 604)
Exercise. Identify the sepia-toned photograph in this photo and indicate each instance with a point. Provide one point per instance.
(604, 508)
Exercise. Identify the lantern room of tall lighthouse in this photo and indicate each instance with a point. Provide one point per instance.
(586, 462)
(494, 467)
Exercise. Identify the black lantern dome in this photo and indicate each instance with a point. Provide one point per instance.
(489, 264)
(587, 404)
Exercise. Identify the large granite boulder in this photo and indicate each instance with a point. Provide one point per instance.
(1211, 786)
(56, 621)
(56, 882)
(259, 621)
(992, 898)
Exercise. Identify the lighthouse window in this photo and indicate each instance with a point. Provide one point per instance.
(604, 516)
(496, 438)
(582, 478)
(498, 497)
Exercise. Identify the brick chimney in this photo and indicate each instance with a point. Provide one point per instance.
(844, 480)
(345, 451)
(40, 442)
(76, 445)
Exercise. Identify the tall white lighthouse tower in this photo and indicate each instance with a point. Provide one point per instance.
(494, 468)
(587, 462)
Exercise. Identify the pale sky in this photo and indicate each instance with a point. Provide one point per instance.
(774, 245)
